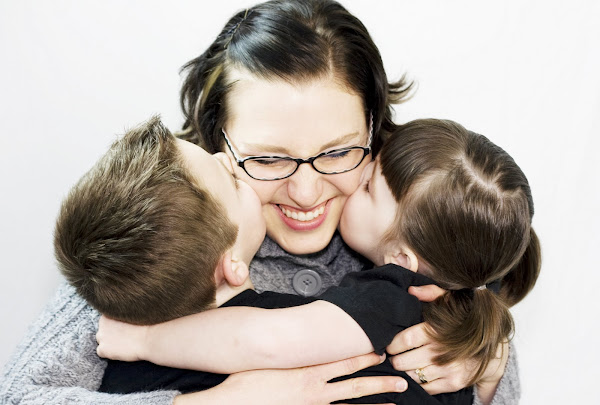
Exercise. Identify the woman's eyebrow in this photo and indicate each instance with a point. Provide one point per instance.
(280, 149)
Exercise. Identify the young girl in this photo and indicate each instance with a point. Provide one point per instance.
(440, 201)
(449, 204)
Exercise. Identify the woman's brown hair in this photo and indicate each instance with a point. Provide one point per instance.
(465, 209)
(291, 40)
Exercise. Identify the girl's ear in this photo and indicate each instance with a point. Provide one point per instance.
(402, 256)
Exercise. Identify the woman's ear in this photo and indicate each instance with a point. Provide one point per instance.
(402, 256)
(223, 158)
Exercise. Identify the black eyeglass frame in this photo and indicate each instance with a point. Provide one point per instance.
(241, 161)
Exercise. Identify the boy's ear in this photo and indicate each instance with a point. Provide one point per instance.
(230, 269)
(222, 267)
(402, 256)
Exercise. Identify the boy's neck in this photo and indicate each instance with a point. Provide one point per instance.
(226, 291)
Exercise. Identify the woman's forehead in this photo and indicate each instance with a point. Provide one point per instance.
(267, 114)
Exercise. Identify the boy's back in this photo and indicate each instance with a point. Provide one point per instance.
(370, 290)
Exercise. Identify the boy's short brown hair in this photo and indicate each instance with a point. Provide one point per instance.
(137, 237)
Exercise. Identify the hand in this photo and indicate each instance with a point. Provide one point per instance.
(120, 341)
(306, 385)
(486, 386)
(417, 350)
(426, 293)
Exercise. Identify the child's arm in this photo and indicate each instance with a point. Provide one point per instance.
(228, 340)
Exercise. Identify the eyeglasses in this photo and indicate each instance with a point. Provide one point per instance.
(281, 167)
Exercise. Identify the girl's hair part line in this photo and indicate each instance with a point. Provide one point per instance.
(465, 207)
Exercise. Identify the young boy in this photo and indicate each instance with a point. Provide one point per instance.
(159, 229)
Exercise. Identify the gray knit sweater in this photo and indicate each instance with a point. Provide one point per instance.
(56, 363)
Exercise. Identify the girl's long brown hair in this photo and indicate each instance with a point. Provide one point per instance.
(465, 208)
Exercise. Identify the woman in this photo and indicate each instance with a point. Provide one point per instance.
(284, 78)
(319, 89)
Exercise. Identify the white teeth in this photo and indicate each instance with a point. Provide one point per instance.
(303, 216)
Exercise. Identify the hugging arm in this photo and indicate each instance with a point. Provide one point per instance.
(307, 385)
(233, 339)
(56, 363)
(367, 310)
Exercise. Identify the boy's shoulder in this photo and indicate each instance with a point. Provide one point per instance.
(397, 276)
(267, 300)
(378, 300)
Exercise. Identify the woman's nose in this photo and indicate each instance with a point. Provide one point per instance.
(305, 187)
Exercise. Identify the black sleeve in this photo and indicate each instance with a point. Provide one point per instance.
(378, 300)
(142, 376)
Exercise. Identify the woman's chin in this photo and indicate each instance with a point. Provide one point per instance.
(302, 246)
(302, 242)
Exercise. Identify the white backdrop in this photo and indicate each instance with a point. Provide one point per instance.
(525, 73)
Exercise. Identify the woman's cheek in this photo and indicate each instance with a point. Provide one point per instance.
(349, 183)
(265, 190)
(346, 183)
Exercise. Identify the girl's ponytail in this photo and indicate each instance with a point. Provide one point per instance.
(469, 324)
(465, 209)
(521, 279)
(472, 323)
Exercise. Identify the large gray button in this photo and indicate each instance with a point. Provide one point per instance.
(307, 283)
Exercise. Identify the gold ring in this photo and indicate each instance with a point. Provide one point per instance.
(421, 375)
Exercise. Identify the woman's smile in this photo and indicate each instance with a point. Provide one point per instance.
(277, 118)
(304, 220)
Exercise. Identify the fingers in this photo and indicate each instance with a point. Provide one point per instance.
(426, 293)
(358, 387)
(363, 386)
(349, 366)
(439, 386)
(408, 339)
(413, 359)
(430, 373)
(447, 378)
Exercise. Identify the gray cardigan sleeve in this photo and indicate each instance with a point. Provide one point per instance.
(508, 391)
(56, 363)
